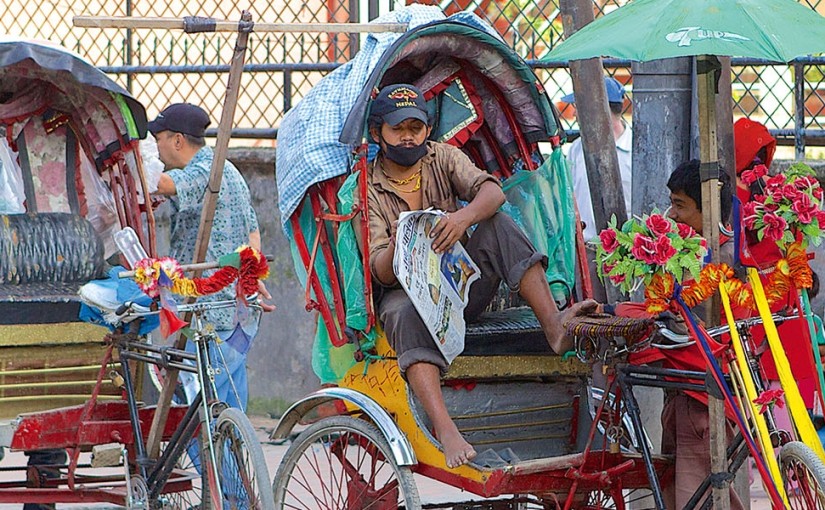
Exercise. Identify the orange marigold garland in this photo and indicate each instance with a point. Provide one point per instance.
(246, 265)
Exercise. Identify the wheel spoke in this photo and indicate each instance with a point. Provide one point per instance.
(358, 470)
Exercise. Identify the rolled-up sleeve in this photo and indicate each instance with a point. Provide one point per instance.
(465, 178)
(379, 228)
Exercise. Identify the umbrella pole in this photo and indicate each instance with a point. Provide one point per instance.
(708, 69)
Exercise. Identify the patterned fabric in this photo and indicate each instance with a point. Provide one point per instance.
(446, 174)
(308, 148)
(234, 220)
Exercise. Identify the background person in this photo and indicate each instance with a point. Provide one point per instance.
(179, 131)
(624, 151)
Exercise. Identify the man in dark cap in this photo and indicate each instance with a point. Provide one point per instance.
(180, 130)
(411, 173)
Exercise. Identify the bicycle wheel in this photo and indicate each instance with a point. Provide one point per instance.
(803, 475)
(197, 492)
(606, 499)
(244, 477)
(343, 463)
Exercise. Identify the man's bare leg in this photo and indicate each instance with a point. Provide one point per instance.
(425, 381)
(534, 289)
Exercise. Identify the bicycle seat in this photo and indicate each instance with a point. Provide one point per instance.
(102, 295)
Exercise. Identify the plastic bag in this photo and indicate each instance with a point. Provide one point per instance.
(541, 203)
(12, 194)
(152, 165)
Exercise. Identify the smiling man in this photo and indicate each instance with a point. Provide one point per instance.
(411, 173)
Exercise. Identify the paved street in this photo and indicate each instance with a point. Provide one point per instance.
(431, 491)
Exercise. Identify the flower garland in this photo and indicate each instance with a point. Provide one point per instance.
(246, 265)
(790, 272)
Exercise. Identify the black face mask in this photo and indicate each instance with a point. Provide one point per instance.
(405, 156)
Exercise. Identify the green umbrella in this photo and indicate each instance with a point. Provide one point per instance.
(643, 30)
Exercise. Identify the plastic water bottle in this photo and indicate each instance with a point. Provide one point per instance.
(129, 245)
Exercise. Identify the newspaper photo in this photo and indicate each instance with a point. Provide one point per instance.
(438, 283)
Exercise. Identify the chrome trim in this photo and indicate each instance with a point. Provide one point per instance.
(399, 445)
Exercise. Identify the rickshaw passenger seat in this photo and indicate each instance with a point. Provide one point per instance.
(44, 258)
(506, 332)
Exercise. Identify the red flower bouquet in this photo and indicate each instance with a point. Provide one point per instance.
(644, 247)
(790, 207)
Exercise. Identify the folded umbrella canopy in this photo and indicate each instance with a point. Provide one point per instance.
(644, 30)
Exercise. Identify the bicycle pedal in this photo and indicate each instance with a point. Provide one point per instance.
(107, 455)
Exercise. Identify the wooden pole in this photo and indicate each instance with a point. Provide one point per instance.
(210, 202)
(708, 69)
(595, 124)
(198, 24)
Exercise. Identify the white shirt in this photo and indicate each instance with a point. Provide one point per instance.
(581, 186)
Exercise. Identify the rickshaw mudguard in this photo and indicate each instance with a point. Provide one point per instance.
(399, 445)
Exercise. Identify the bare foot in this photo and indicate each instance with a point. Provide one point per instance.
(560, 342)
(457, 450)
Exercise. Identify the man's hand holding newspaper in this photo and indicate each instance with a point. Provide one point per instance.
(438, 283)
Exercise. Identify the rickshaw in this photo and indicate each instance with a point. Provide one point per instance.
(71, 177)
(526, 410)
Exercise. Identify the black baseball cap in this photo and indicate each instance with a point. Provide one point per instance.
(396, 103)
(183, 118)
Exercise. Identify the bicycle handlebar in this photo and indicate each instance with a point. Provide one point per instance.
(680, 340)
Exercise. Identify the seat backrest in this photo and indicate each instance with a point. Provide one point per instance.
(48, 248)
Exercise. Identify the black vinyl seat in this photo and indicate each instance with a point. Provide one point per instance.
(44, 259)
(506, 332)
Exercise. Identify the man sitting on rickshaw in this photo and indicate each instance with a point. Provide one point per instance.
(412, 173)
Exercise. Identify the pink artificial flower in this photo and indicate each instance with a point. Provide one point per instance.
(805, 182)
(749, 213)
(608, 239)
(804, 209)
(751, 176)
(663, 251)
(606, 268)
(790, 192)
(774, 226)
(617, 278)
(685, 230)
(643, 249)
(775, 181)
(820, 217)
(768, 397)
(817, 192)
(658, 224)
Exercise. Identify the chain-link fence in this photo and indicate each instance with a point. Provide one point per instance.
(161, 67)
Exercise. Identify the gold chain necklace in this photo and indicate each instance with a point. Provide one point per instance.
(398, 183)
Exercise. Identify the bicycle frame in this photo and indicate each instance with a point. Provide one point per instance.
(200, 413)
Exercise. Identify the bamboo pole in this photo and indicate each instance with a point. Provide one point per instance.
(199, 24)
(708, 149)
(207, 214)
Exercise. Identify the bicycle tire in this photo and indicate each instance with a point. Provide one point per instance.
(355, 483)
(244, 477)
(803, 475)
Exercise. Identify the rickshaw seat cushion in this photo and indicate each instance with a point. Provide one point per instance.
(506, 332)
(48, 248)
(44, 258)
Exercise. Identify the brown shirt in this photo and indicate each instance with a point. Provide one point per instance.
(447, 174)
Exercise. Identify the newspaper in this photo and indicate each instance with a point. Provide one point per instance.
(438, 284)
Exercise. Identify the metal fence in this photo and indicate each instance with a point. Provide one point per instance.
(161, 67)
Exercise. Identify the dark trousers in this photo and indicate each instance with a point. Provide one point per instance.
(500, 250)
